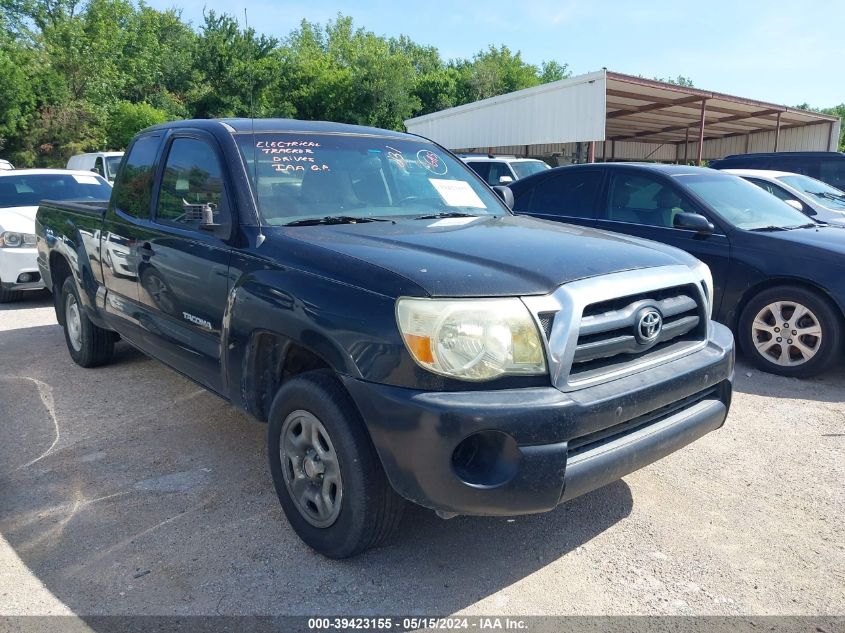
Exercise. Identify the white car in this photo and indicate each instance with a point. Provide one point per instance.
(503, 170)
(21, 191)
(5, 165)
(812, 197)
(103, 163)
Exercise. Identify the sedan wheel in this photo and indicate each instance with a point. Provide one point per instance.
(789, 333)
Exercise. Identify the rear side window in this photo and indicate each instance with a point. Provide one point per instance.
(571, 194)
(797, 165)
(134, 183)
(192, 184)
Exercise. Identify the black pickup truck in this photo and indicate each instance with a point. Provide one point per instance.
(404, 334)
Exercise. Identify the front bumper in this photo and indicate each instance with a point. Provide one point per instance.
(566, 444)
(16, 261)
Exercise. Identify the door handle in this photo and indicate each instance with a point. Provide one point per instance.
(146, 250)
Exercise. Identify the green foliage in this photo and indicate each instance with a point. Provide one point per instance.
(126, 118)
(82, 75)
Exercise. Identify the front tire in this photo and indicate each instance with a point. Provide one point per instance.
(790, 331)
(326, 472)
(10, 296)
(89, 345)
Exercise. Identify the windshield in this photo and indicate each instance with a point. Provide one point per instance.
(112, 163)
(744, 205)
(824, 194)
(307, 176)
(527, 167)
(29, 190)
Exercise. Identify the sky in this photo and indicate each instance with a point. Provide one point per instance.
(785, 52)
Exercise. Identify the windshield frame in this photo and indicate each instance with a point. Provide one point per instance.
(792, 217)
(247, 146)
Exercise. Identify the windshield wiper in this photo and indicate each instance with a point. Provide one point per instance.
(334, 219)
(828, 195)
(764, 229)
(446, 214)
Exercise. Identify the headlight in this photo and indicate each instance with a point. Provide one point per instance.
(9, 239)
(471, 339)
(702, 270)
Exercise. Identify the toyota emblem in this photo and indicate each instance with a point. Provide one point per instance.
(649, 324)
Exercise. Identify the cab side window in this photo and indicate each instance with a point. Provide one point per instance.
(642, 199)
(134, 183)
(481, 168)
(571, 194)
(497, 171)
(98, 167)
(192, 185)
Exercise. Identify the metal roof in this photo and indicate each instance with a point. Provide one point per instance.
(610, 106)
(647, 110)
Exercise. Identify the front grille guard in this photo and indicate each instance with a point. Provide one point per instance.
(568, 303)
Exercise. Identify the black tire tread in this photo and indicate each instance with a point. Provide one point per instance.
(97, 343)
(386, 506)
(10, 296)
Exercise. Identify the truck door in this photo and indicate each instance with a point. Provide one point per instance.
(126, 225)
(183, 269)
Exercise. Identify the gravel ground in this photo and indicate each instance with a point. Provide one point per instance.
(129, 490)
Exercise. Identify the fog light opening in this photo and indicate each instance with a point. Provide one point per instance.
(25, 278)
(487, 459)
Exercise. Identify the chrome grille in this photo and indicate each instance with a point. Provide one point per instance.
(590, 325)
(607, 330)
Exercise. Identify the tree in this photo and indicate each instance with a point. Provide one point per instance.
(126, 119)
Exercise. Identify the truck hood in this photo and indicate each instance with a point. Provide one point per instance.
(18, 219)
(488, 256)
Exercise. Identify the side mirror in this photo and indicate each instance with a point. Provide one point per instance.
(96, 171)
(504, 180)
(505, 194)
(795, 204)
(694, 222)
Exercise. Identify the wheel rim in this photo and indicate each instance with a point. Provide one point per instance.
(74, 323)
(787, 333)
(311, 469)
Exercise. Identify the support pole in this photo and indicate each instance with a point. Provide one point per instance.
(777, 133)
(748, 142)
(686, 146)
(612, 150)
(701, 132)
(591, 152)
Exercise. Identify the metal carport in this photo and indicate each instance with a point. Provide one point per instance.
(611, 116)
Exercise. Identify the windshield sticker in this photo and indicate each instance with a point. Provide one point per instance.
(285, 144)
(430, 161)
(457, 193)
(86, 180)
(292, 156)
(395, 155)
